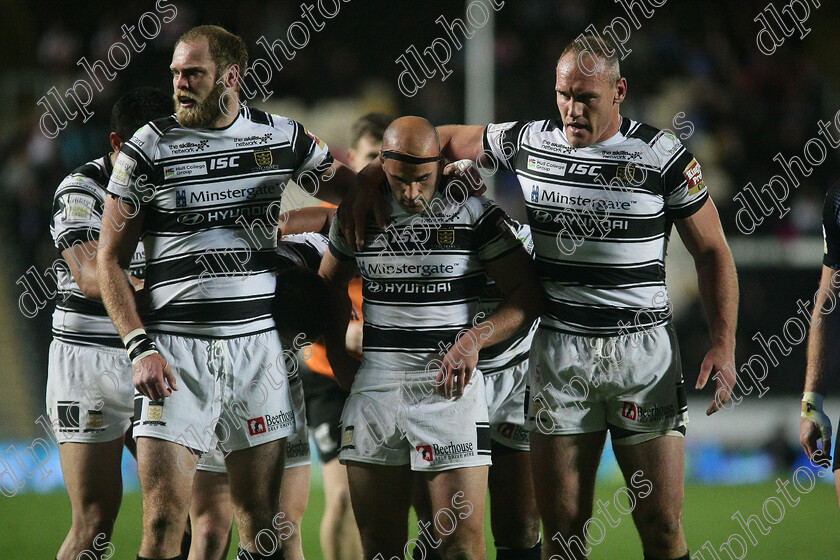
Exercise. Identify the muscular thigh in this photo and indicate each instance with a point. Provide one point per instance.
(654, 472)
(457, 498)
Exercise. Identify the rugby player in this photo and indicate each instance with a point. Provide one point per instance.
(300, 307)
(89, 397)
(203, 189)
(324, 398)
(602, 192)
(514, 518)
(409, 410)
(814, 424)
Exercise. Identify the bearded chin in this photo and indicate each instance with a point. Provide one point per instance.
(204, 113)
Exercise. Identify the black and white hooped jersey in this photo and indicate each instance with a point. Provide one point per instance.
(303, 249)
(211, 201)
(76, 218)
(600, 217)
(422, 276)
(514, 350)
(831, 228)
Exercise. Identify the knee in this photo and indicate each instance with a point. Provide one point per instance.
(95, 519)
(463, 544)
(342, 503)
(521, 532)
(160, 527)
(339, 505)
(567, 517)
(660, 528)
(210, 535)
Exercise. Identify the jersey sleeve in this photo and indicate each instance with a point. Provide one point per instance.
(303, 249)
(501, 142)
(77, 209)
(135, 176)
(338, 245)
(831, 229)
(682, 178)
(311, 153)
(494, 233)
(523, 233)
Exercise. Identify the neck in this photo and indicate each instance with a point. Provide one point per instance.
(612, 130)
(230, 112)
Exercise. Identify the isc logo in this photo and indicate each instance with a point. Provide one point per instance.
(582, 169)
(223, 162)
(408, 235)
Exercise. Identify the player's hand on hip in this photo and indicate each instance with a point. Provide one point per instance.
(721, 363)
(465, 171)
(814, 425)
(153, 377)
(457, 369)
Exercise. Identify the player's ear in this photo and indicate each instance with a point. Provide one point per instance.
(116, 141)
(232, 76)
(620, 90)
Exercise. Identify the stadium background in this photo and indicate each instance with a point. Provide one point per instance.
(697, 58)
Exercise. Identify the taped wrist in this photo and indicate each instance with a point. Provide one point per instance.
(139, 345)
(811, 402)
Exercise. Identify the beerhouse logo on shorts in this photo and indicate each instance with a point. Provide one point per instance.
(513, 432)
(256, 426)
(452, 451)
(652, 414)
(270, 422)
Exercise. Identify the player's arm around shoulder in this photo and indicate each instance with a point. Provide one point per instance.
(703, 236)
(510, 266)
(524, 299)
(338, 267)
(458, 141)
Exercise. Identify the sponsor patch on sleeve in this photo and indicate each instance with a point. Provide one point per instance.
(499, 127)
(315, 139)
(78, 207)
(123, 168)
(694, 177)
(825, 242)
(506, 228)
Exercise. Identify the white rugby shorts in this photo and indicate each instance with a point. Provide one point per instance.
(397, 418)
(297, 446)
(89, 392)
(232, 393)
(505, 394)
(581, 384)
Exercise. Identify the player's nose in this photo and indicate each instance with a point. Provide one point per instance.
(179, 81)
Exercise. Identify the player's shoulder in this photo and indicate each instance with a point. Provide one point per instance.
(308, 238)
(260, 118)
(90, 177)
(524, 128)
(662, 144)
(146, 138)
(289, 130)
(477, 206)
(832, 203)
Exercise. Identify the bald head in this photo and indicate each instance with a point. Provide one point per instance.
(411, 161)
(413, 136)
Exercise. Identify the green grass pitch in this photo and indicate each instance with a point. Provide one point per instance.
(33, 526)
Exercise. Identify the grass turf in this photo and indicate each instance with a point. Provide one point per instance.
(33, 526)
